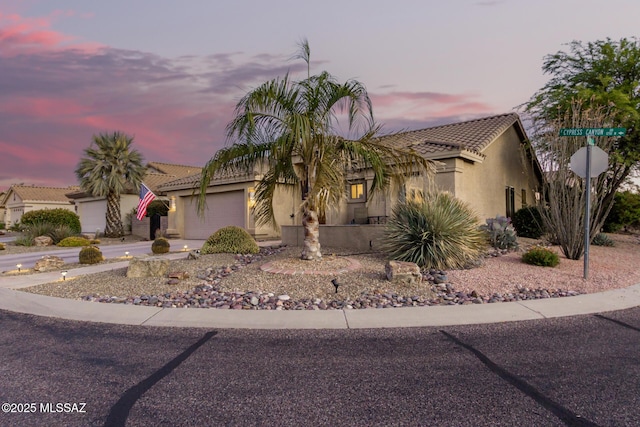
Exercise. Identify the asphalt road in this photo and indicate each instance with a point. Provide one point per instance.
(582, 371)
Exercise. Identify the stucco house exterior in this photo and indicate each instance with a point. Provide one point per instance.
(20, 199)
(486, 162)
(93, 210)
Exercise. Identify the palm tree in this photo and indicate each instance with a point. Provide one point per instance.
(291, 129)
(107, 170)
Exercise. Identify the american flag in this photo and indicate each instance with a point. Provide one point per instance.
(146, 197)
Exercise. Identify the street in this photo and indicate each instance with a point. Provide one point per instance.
(581, 371)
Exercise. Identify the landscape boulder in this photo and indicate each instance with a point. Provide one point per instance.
(148, 266)
(49, 263)
(43, 241)
(403, 272)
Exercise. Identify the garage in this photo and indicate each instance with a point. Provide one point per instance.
(222, 209)
(92, 215)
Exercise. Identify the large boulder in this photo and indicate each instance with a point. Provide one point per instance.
(403, 272)
(43, 241)
(148, 266)
(49, 263)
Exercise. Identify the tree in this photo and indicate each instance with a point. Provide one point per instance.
(603, 73)
(290, 128)
(564, 192)
(110, 167)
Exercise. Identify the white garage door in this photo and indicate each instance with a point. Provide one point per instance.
(222, 209)
(93, 215)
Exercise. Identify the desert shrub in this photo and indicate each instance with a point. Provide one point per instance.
(438, 231)
(159, 207)
(528, 222)
(24, 241)
(61, 232)
(2, 247)
(602, 239)
(539, 255)
(625, 212)
(52, 216)
(90, 255)
(2, 225)
(231, 239)
(160, 246)
(16, 226)
(74, 241)
(501, 233)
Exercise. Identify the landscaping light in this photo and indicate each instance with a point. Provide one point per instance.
(185, 247)
(19, 266)
(126, 253)
(64, 274)
(335, 283)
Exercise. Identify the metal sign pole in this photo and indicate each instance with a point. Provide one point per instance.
(587, 208)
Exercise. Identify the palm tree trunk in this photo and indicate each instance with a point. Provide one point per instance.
(114, 219)
(311, 249)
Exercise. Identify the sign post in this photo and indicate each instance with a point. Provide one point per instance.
(582, 167)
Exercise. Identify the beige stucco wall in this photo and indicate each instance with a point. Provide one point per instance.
(357, 237)
(482, 185)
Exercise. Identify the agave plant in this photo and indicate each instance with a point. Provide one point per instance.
(438, 231)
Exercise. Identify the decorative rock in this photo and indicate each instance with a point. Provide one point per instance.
(148, 266)
(403, 272)
(180, 275)
(284, 297)
(43, 241)
(49, 263)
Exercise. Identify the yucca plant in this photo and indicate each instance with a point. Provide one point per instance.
(438, 231)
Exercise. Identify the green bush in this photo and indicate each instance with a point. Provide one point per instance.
(602, 239)
(501, 233)
(24, 241)
(74, 241)
(159, 207)
(230, 239)
(52, 216)
(160, 246)
(2, 225)
(61, 232)
(541, 256)
(438, 231)
(90, 255)
(16, 226)
(625, 212)
(528, 222)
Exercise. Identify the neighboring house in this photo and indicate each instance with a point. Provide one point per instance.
(20, 199)
(93, 210)
(486, 162)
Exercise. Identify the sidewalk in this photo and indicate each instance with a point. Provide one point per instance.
(23, 302)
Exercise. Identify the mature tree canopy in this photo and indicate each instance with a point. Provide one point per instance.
(603, 73)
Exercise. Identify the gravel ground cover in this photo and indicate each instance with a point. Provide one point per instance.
(236, 282)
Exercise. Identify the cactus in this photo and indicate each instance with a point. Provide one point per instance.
(501, 233)
(160, 246)
(90, 255)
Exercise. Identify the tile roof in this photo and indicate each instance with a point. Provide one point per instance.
(473, 135)
(177, 171)
(43, 194)
(193, 181)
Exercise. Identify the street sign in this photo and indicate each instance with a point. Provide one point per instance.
(593, 132)
(599, 162)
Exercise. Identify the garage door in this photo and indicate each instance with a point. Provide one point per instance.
(222, 209)
(93, 215)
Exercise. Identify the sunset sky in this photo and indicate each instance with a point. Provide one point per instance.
(169, 73)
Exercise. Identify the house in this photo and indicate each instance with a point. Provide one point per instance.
(486, 162)
(20, 199)
(93, 210)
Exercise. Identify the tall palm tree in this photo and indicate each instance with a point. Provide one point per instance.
(291, 129)
(109, 167)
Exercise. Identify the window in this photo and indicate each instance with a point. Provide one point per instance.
(510, 196)
(523, 193)
(356, 191)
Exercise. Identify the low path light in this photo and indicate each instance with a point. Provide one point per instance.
(19, 267)
(335, 283)
(64, 274)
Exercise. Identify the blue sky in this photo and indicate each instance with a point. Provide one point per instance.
(169, 73)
